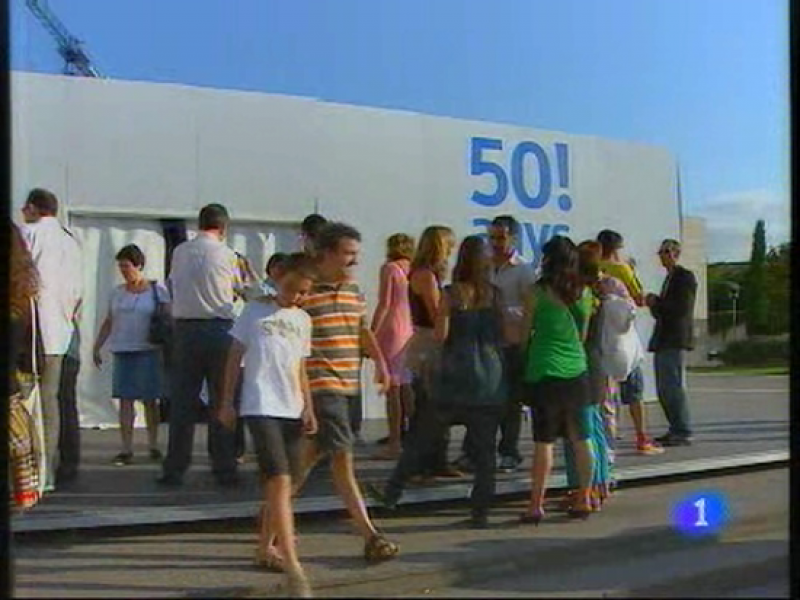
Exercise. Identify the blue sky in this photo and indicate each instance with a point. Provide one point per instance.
(707, 79)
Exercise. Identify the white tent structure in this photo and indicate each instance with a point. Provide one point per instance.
(122, 156)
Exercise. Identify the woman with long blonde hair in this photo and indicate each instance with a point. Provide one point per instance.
(392, 326)
(428, 270)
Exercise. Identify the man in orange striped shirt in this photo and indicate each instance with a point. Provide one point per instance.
(340, 337)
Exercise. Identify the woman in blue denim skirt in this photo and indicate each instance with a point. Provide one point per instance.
(137, 364)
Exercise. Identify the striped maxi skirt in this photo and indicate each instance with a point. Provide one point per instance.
(603, 431)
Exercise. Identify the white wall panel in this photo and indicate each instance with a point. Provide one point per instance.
(131, 145)
(154, 149)
(256, 154)
(40, 124)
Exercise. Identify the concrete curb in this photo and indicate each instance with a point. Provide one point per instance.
(614, 549)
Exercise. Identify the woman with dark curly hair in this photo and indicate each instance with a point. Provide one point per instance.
(557, 312)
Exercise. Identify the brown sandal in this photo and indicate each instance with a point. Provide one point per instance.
(378, 549)
(269, 560)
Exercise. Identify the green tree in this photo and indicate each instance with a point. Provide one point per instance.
(725, 279)
(777, 284)
(757, 307)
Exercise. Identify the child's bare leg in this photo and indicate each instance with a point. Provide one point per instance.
(310, 457)
(281, 519)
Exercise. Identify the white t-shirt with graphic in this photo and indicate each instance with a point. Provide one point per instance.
(276, 341)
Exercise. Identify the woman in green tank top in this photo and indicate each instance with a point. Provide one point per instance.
(557, 315)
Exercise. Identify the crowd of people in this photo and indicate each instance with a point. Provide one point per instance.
(282, 355)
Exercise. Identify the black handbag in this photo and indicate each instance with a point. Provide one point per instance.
(160, 332)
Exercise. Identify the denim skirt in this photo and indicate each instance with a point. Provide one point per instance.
(137, 375)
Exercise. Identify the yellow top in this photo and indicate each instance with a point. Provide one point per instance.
(625, 274)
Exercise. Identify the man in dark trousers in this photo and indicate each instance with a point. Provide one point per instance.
(204, 280)
(673, 335)
(69, 441)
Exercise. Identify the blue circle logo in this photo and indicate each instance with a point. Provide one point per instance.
(701, 513)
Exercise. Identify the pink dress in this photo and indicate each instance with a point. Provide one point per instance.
(395, 329)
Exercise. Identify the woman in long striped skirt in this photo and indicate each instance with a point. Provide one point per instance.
(605, 391)
(608, 415)
(603, 468)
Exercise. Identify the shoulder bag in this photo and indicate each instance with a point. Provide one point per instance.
(160, 332)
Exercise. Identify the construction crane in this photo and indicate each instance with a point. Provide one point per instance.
(76, 61)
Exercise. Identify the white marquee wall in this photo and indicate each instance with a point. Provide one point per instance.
(110, 148)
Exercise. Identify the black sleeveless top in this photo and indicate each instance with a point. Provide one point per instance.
(420, 315)
(472, 355)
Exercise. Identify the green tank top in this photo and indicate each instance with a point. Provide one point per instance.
(555, 348)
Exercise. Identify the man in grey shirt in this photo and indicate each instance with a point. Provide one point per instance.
(203, 280)
(514, 278)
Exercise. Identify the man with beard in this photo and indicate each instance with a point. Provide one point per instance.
(340, 337)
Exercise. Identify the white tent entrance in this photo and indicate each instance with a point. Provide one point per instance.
(101, 236)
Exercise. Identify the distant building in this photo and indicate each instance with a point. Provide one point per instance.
(694, 257)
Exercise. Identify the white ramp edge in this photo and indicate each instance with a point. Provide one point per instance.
(155, 515)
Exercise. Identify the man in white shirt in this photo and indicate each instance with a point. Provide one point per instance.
(57, 256)
(204, 281)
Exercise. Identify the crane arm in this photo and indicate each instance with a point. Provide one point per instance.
(68, 45)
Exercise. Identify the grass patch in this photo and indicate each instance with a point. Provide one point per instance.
(741, 370)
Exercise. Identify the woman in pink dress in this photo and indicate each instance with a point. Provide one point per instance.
(391, 324)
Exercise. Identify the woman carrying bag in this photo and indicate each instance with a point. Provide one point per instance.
(133, 325)
(26, 446)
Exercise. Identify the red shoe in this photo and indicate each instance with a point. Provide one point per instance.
(648, 448)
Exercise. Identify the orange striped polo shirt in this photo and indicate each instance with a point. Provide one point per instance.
(337, 312)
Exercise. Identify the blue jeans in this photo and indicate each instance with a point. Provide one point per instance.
(631, 390)
(670, 371)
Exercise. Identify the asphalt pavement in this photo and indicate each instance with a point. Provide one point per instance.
(630, 549)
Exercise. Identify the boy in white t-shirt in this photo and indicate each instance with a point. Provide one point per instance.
(273, 336)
